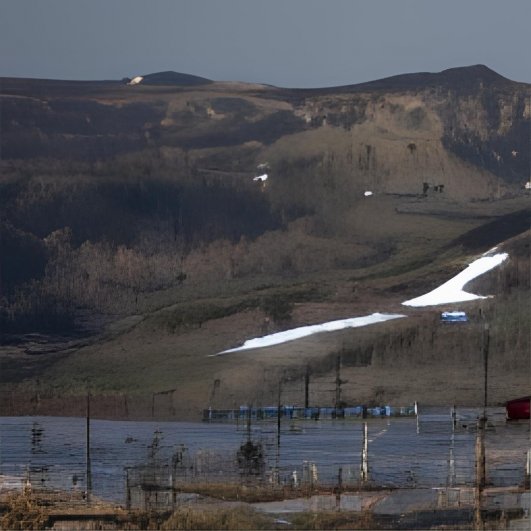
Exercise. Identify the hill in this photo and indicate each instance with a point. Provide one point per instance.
(171, 78)
(132, 216)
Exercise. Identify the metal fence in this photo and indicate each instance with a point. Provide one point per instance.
(145, 464)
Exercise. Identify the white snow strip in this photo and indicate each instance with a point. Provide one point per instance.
(261, 177)
(136, 80)
(367, 193)
(304, 331)
(452, 291)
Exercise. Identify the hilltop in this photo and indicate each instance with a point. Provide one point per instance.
(136, 240)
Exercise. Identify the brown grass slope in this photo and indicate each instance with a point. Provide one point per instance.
(136, 243)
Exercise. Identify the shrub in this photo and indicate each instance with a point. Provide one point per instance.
(278, 307)
(219, 518)
(23, 512)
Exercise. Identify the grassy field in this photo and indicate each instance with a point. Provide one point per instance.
(167, 354)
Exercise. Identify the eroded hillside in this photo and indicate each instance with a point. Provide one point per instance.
(125, 203)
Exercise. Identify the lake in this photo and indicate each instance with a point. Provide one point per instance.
(402, 452)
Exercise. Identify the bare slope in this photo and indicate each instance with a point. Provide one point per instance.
(128, 205)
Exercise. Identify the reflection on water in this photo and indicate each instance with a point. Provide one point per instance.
(430, 451)
(36, 438)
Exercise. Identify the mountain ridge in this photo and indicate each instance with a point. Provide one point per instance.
(451, 76)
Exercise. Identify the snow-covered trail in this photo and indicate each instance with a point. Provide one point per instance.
(305, 331)
(449, 292)
(452, 290)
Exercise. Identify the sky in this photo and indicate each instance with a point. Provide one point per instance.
(288, 43)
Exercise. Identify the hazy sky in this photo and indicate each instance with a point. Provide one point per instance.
(282, 42)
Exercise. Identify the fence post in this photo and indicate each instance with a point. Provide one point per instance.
(278, 432)
(480, 454)
(364, 471)
(307, 388)
(480, 469)
(338, 385)
(279, 413)
(127, 490)
(87, 450)
(249, 422)
(528, 465)
(339, 487)
(486, 341)
(528, 471)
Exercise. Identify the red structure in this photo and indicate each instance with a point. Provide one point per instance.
(518, 408)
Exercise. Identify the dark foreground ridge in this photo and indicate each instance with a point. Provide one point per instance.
(174, 78)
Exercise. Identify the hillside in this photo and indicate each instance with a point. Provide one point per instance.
(136, 240)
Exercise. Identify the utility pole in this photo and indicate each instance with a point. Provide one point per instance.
(480, 437)
(364, 470)
(279, 413)
(87, 448)
(277, 472)
(249, 422)
(307, 388)
(486, 341)
(482, 421)
(338, 384)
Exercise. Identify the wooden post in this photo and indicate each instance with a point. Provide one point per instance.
(486, 341)
(480, 470)
(127, 490)
(249, 422)
(364, 471)
(339, 487)
(338, 384)
(279, 413)
(451, 462)
(528, 471)
(277, 472)
(87, 449)
(528, 464)
(480, 454)
(307, 388)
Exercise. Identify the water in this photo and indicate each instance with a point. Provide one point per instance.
(403, 452)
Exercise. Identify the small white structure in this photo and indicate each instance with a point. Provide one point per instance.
(454, 317)
(528, 185)
(262, 178)
(136, 80)
(294, 479)
(368, 193)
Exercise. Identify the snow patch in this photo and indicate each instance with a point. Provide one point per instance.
(261, 177)
(367, 193)
(304, 331)
(452, 291)
(136, 80)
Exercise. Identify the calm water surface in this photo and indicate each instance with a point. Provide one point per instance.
(403, 452)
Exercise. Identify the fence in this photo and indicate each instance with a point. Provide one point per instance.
(147, 464)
